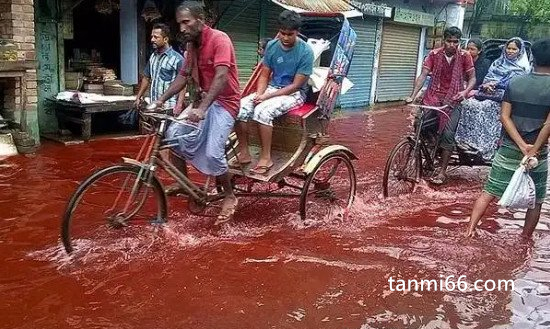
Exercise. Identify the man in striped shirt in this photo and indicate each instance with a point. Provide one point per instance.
(161, 70)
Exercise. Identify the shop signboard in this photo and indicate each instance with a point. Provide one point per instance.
(413, 17)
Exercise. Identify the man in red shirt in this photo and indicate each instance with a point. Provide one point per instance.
(450, 67)
(210, 64)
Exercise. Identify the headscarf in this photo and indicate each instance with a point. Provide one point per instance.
(503, 68)
(477, 43)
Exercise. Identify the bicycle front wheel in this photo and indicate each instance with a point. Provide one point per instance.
(108, 200)
(402, 169)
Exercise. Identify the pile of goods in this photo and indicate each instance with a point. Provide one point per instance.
(116, 87)
(93, 81)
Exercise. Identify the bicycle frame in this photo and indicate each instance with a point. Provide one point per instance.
(420, 146)
(150, 158)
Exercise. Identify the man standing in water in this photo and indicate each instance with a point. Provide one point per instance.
(449, 68)
(525, 117)
(210, 63)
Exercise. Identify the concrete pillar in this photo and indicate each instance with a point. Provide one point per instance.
(129, 41)
(454, 15)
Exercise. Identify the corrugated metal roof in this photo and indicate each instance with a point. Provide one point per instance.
(320, 6)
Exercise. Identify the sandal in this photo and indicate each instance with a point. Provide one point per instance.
(227, 213)
(236, 164)
(440, 179)
(261, 170)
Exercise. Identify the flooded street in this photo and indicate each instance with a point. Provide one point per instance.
(270, 270)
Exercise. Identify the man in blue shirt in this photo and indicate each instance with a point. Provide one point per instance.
(282, 85)
(162, 69)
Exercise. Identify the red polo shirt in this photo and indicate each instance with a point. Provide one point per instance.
(217, 49)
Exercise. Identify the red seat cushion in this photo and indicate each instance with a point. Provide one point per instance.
(302, 110)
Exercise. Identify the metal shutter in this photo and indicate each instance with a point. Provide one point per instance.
(398, 62)
(360, 72)
(241, 22)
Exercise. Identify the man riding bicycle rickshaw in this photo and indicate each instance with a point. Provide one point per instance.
(450, 67)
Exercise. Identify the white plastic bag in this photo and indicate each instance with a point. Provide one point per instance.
(520, 193)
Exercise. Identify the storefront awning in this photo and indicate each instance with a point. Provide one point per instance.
(319, 6)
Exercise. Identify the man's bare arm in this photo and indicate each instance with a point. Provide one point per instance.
(471, 80)
(142, 88)
(263, 80)
(542, 138)
(419, 83)
(510, 127)
(219, 82)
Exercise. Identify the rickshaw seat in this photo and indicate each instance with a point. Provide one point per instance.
(302, 111)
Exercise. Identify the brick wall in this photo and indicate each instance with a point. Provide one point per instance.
(17, 25)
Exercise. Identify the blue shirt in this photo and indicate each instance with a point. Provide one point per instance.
(162, 69)
(286, 63)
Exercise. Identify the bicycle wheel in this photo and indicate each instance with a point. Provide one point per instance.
(402, 169)
(109, 199)
(329, 190)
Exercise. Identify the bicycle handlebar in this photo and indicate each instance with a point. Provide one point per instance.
(161, 116)
(435, 108)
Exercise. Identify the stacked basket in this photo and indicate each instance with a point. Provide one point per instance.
(116, 87)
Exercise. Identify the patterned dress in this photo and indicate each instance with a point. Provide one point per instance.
(479, 127)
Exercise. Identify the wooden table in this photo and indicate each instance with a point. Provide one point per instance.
(82, 113)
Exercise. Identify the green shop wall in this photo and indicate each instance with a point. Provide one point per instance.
(48, 53)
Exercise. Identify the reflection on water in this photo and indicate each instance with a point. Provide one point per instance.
(267, 268)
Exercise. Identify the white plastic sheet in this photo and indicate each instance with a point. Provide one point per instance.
(319, 76)
(317, 79)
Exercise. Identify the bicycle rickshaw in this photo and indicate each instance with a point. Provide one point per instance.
(306, 166)
(417, 155)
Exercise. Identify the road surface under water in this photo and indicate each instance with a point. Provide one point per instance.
(273, 270)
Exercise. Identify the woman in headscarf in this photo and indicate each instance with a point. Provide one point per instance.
(479, 126)
(481, 63)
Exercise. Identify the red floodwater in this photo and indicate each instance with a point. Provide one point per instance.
(269, 270)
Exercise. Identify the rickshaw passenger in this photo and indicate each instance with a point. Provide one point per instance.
(481, 63)
(449, 67)
(289, 61)
(479, 126)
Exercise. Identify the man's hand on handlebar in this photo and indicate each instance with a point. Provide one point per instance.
(138, 102)
(196, 115)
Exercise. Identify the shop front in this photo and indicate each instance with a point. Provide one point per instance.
(401, 53)
(362, 68)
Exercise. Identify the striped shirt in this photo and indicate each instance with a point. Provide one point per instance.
(161, 71)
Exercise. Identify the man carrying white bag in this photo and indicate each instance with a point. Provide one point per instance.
(525, 116)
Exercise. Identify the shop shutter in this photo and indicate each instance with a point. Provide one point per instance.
(361, 68)
(241, 21)
(398, 62)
